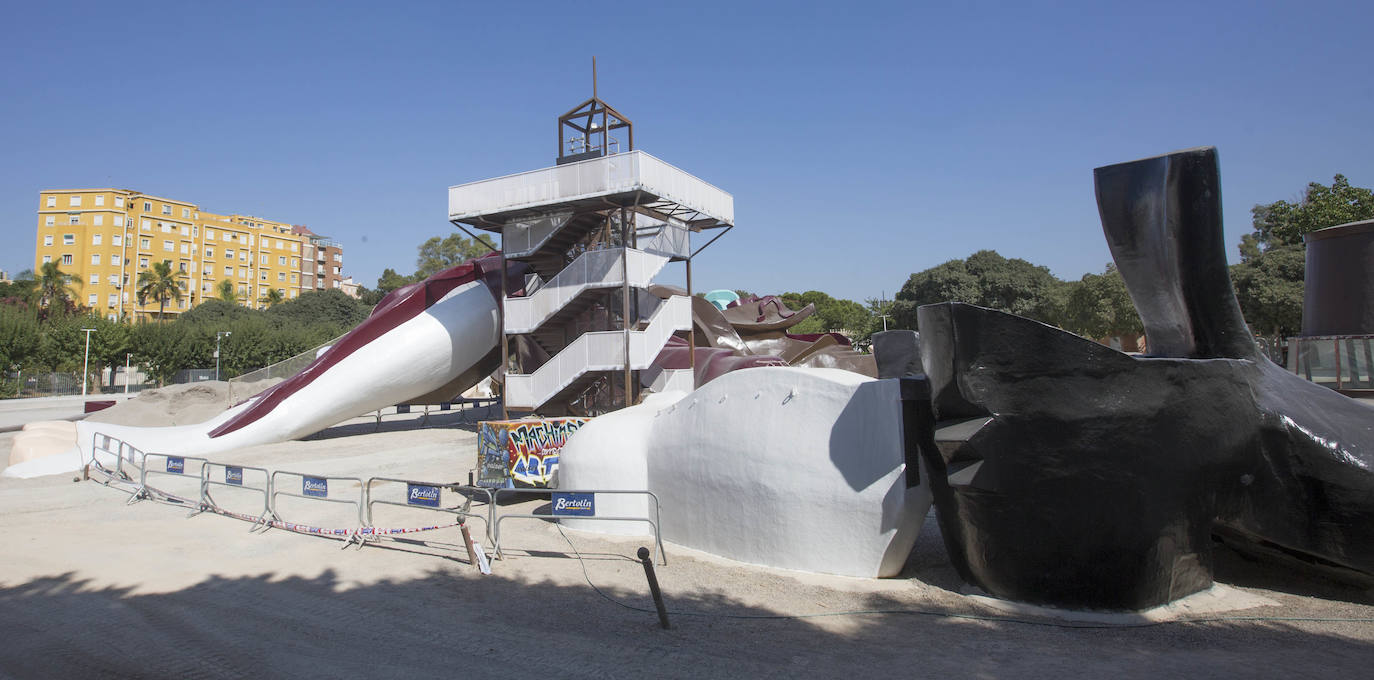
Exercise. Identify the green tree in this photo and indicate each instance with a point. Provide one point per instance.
(158, 283)
(224, 290)
(1099, 306)
(330, 307)
(986, 279)
(1269, 277)
(832, 314)
(438, 254)
(54, 289)
(390, 280)
(272, 296)
(19, 333)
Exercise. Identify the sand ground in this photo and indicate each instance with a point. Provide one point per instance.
(92, 587)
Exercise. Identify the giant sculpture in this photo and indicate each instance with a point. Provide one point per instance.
(1070, 474)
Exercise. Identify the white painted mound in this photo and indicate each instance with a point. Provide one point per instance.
(797, 468)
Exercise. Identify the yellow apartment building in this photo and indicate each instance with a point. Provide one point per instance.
(104, 238)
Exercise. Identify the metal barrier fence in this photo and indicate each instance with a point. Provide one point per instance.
(577, 497)
(429, 496)
(419, 495)
(173, 466)
(237, 477)
(314, 488)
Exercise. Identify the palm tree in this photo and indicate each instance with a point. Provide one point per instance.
(52, 285)
(159, 284)
(272, 296)
(224, 290)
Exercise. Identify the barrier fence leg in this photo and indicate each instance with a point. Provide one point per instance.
(467, 543)
(653, 586)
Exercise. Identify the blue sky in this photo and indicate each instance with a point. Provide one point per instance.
(861, 141)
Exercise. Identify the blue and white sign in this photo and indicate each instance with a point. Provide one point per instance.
(315, 486)
(574, 504)
(233, 475)
(175, 464)
(420, 494)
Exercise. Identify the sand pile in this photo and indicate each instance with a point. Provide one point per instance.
(180, 404)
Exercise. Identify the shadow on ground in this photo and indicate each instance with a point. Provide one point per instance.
(452, 622)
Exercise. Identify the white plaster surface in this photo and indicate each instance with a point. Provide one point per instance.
(415, 358)
(797, 468)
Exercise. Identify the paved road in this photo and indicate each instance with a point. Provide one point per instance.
(14, 413)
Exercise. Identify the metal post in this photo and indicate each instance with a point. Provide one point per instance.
(86, 362)
(127, 358)
(692, 330)
(218, 335)
(625, 301)
(653, 586)
(505, 341)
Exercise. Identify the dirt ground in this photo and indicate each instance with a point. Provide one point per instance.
(92, 587)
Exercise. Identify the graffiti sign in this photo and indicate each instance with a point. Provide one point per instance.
(521, 452)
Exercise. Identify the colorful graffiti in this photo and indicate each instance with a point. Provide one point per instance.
(521, 452)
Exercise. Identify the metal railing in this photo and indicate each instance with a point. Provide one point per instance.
(235, 477)
(588, 179)
(314, 488)
(653, 522)
(599, 351)
(592, 269)
(417, 498)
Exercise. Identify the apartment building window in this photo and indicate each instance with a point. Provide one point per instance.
(248, 239)
(125, 297)
(207, 270)
(181, 303)
(119, 220)
(47, 239)
(209, 251)
(111, 300)
(281, 276)
(167, 246)
(47, 259)
(185, 230)
(243, 290)
(73, 219)
(262, 259)
(195, 231)
(336, 271)
(52, 201)
(145, 244)
(49, 220)
(68, 239)
(142, 263)
(90, 300)
(147, 207)
(117, 240)
(74, 202)
(95, 279)
(166, 228)
(185, 249)
(95, 239)
(263, 276)
(67, 259)
(338, 257)
(100, 200)
(145, 225)
(243, 273)
(209, 234)
(114, 279)
(166, 209)
(228, 271)
(281, 260)
(229, 253)
(181, 267)
(295, 247)
(98, 220)
(186, 212)
(205, 285)
(243, 256)
(294, 278)
(115, 260)
(296, 263)
(119, 201)
(95, 258)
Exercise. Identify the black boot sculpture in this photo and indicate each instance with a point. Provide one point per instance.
(1070, 474)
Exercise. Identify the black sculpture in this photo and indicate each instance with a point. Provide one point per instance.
(1067, 473)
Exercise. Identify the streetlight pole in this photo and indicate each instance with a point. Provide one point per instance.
(127, 358)
(86, 362)
(218, 335)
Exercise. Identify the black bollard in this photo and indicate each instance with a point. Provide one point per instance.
(653, 586)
